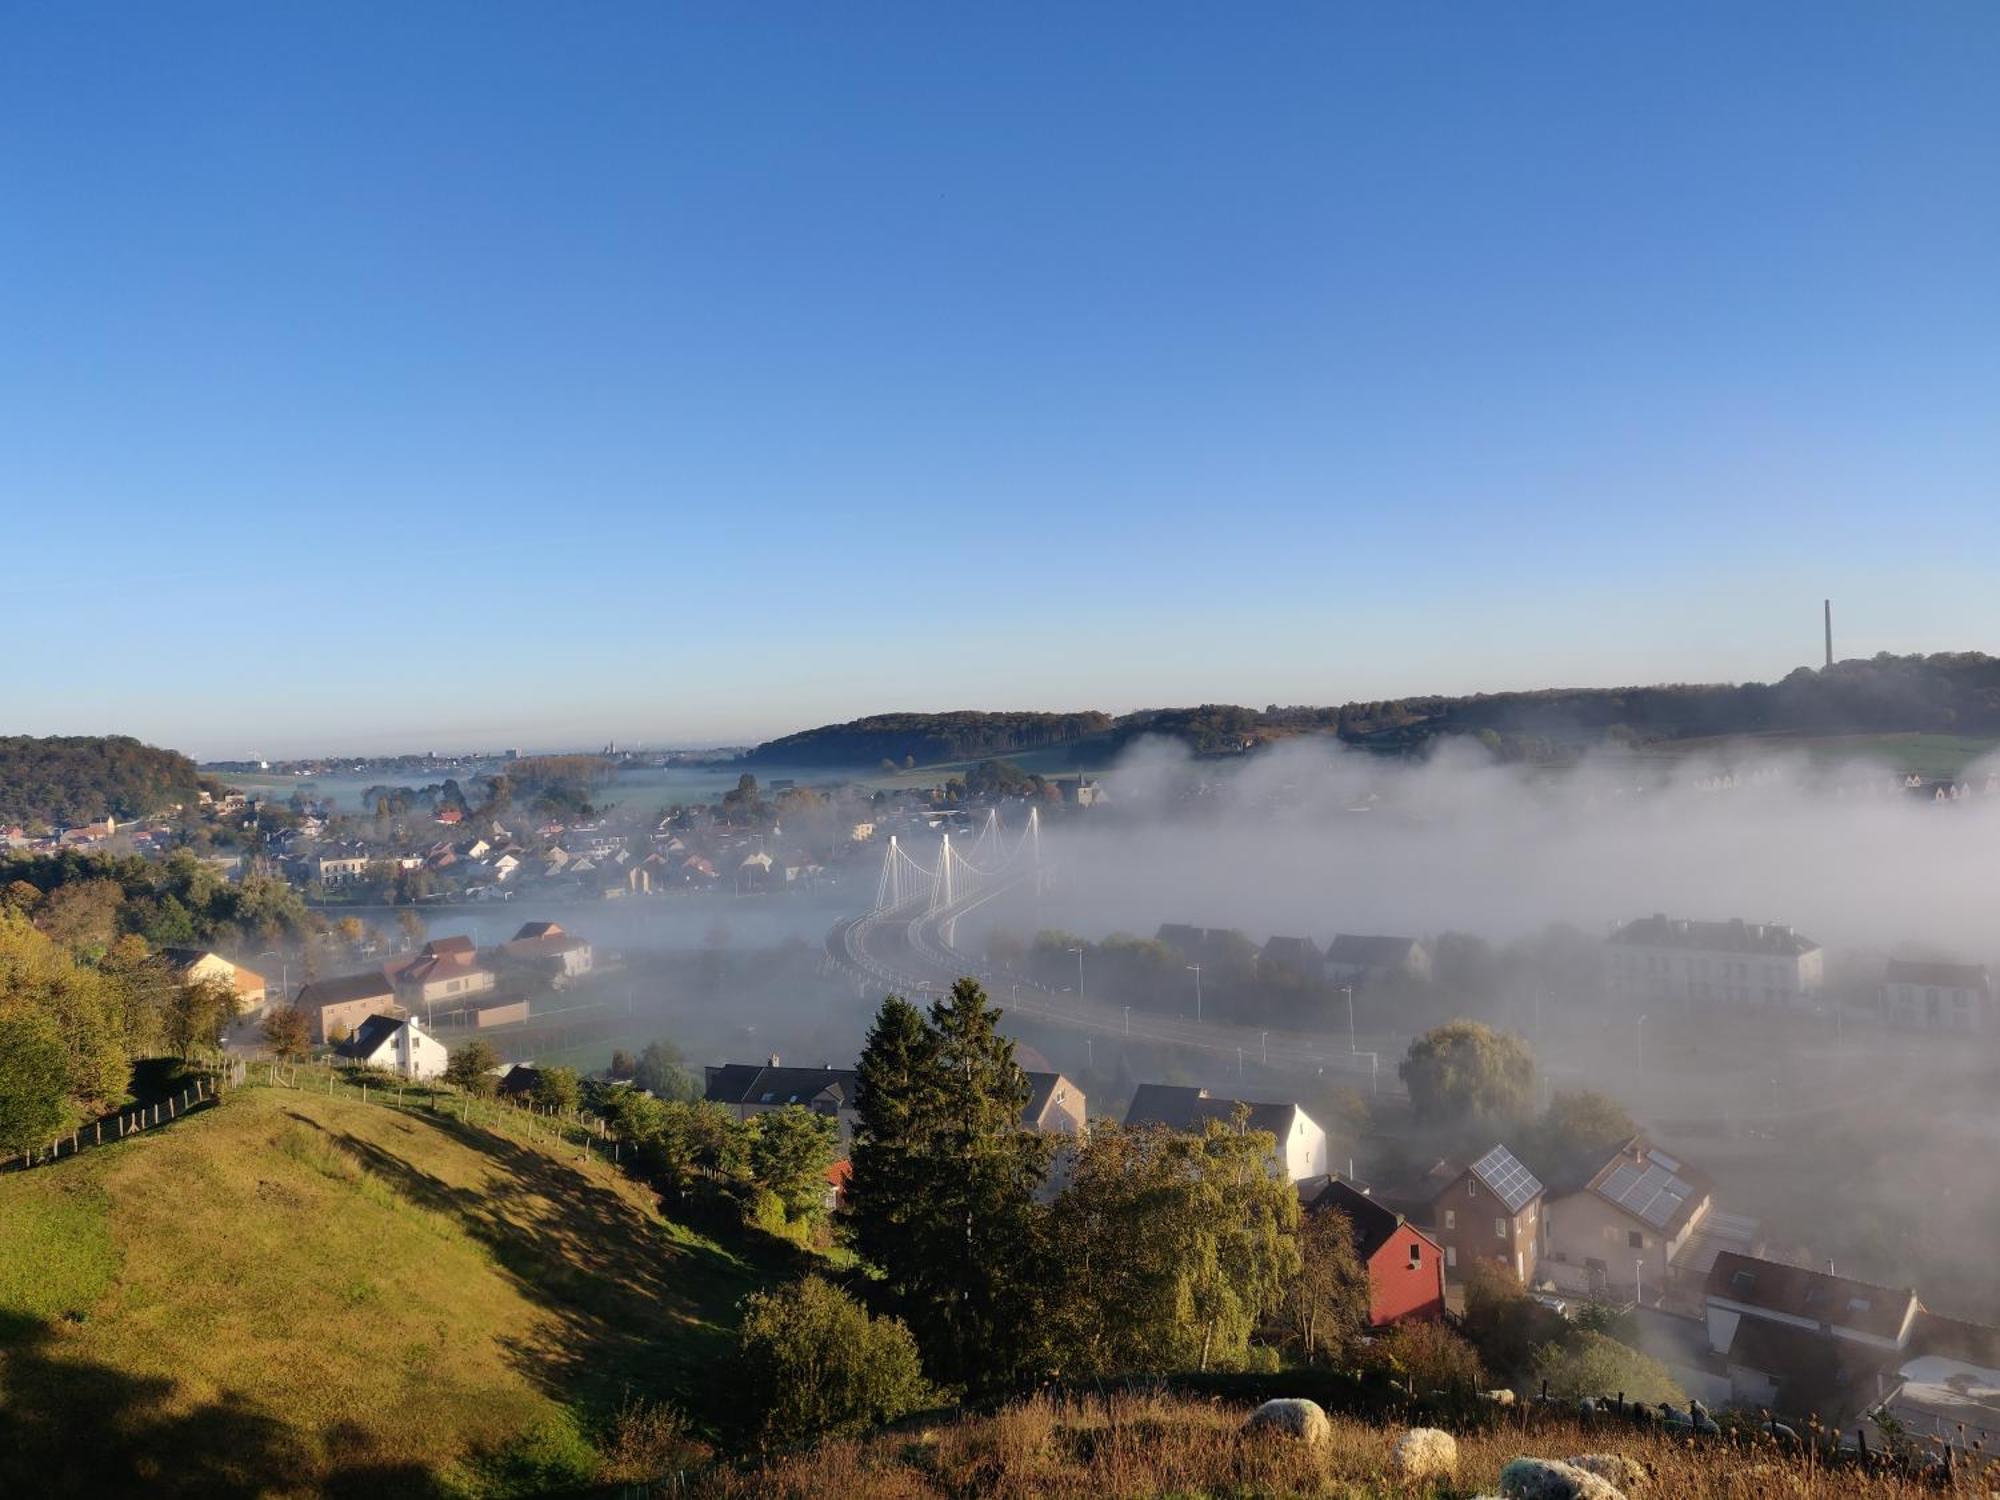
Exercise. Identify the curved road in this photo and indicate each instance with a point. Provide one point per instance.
(905, 951)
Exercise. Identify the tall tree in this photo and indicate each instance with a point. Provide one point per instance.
(1464, 1070)
(943, 1193)
(1325, 1306)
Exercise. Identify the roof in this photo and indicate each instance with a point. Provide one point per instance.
(1768, 939)
(1370, 950)
(367, 985)
(1774, 1287)
(1941, 976)
(556, 942)
(369, 1035)
(451, 947)
(1505, 1177)
(1373, 1224)
(757, 1083)
(244, 979)
(1651, 1186)
(532, 930)
(1041, 1089)
(1296, 952)
(1180, 1107)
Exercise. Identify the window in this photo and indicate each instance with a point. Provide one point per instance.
(1451, 1257)
(1635, 1239)
(1416, 1256)
(1500, 1229)
(1451, 1218)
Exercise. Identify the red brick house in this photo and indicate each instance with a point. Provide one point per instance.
(1405, 1265)
(1491, 1210)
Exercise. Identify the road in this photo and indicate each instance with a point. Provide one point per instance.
(907, 952)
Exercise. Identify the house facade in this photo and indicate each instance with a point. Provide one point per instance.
(1663, 960)
(1300, 1142)
(547, 946)
(395, 1045)
(747, 1089)
(1405, 1265)
(444, 970)
(195, 965)
(1937, 997)
(1491, 1211)
(1797, 1340)
(1364, 958)
(336, 1007)
(1621, 1235)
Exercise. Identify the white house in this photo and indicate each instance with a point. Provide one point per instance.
(1300, 1140)
(1662, 959)
(1937, 997)
(396, 1046)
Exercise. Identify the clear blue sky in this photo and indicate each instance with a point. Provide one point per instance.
(383, 376)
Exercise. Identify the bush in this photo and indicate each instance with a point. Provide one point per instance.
(1591, 1364)
(646, 1441)
(1432, 1356)
(813, 1363)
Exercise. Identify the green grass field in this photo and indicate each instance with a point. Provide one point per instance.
(1929, 755)
(293, 1294)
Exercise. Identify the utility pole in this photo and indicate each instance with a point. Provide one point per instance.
(1195, 969)
(1639, 1280)
(1264, 1046)
(1128, 1020)
(1078, 951)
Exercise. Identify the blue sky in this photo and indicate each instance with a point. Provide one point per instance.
(384, 376)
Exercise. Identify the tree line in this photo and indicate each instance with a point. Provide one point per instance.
(74, 779)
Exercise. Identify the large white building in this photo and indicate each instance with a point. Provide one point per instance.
(1661, 959)
(1937, 997)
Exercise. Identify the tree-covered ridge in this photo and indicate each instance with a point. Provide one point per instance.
(927, 738)
(81, 778)
(1947, 693)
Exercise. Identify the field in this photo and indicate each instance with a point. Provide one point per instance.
(1149, 1447)
(1928, 755)
(293, 1294)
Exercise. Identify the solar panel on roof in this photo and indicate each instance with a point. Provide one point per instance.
(1654, 1194)
(1509, 1181)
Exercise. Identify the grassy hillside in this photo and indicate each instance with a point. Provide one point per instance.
(1152, 1448)
(293, 1294)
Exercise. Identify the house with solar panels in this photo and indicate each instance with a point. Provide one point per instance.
(1491, 1210)
(1621, 1235)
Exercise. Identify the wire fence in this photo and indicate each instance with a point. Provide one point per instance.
(204, 1090)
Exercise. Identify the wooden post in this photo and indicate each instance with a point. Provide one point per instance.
(170, 1109)
(100, 1133)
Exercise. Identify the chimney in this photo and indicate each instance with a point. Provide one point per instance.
(774, 1060)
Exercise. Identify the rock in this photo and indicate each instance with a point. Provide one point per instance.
(1627, 1473)
(1552, 1479)
(1304, 1421)
(1425, 1453)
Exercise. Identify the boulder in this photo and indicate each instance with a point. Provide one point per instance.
(1303, 1421)
(1425, 1453)
(1552, 1479)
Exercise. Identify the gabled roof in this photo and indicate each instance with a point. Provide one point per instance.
(1507, 1179)
(1373, 1224)
(1185, 1108)
(532, 930)
(367, 985)
(1041, 1088)
(1295, 952)
(1651, 1186)
(763, 1084)
(1792, 1291)
(1371, 950)
(369, 1035)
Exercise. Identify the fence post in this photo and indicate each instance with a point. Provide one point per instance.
(171, 1112)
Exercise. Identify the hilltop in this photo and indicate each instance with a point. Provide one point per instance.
(293, 1294)
(81, 778)
(1954, 694)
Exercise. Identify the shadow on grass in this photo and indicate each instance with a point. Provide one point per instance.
(635, 1312)
(75, 1427)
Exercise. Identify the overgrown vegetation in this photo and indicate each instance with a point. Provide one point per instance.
(74, 779)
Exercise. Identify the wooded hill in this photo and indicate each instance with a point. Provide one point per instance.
(1949, 693)
(80, 778)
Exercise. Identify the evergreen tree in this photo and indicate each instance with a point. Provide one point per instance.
(942, 1197)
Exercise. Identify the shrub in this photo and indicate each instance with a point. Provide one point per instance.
(1434, 1358)
(1591, 1364)
(813, 1363)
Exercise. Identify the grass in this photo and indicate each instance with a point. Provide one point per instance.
(1147, 1447)
(1930, 755)
(298, 1294)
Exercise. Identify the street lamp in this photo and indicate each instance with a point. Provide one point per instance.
(1639, 1026)
(1264, 1046)
(1639, 1280)
(1195, 969)
(1079, 976)
(1348, 990)
(1128, 1020)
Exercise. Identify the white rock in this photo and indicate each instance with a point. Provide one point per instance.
(1426, 1453)
(1293, 1418)
(1552, 1479)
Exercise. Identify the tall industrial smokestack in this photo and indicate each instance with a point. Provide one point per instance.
(1829, 632)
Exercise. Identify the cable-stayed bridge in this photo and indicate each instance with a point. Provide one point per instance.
(905, 944)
